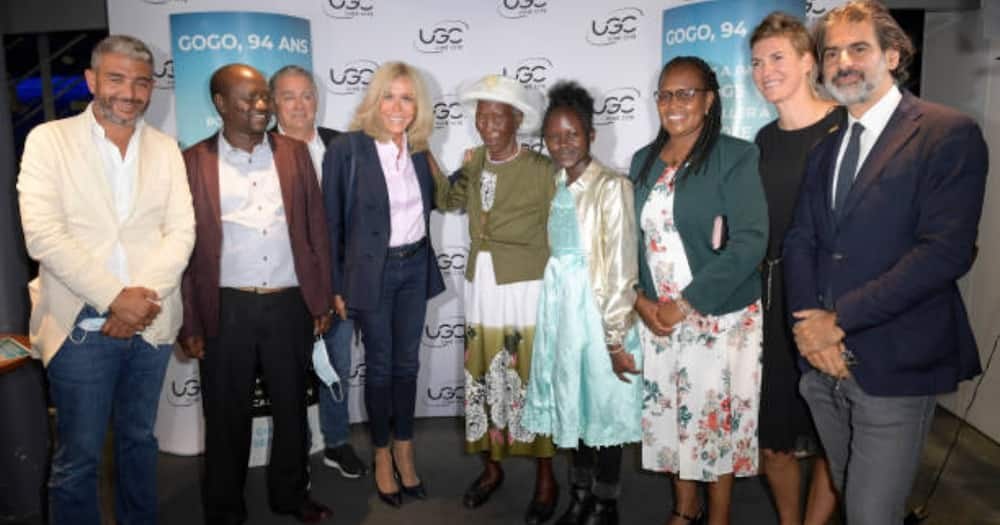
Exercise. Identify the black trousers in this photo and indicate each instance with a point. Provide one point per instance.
(604, 463)
(272, 332)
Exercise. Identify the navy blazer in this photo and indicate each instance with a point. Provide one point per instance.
(888, 264)
(359, 241)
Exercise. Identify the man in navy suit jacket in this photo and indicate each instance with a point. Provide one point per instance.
(885, 225)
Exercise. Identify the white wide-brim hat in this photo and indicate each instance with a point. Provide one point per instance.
(498, 88)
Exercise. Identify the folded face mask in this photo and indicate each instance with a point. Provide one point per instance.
(324, 370)
(91, 324)
(87, 325)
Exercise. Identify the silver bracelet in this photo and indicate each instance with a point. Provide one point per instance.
(684, 306)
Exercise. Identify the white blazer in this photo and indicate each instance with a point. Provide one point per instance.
(71, 226)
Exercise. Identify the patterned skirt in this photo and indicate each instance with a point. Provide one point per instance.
(500, 329)
(701, 396)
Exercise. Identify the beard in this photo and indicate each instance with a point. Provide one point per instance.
(105, 105)
(862, 91)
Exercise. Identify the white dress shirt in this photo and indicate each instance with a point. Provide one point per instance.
(406, 203)
(316, 152)
(874, 121)
(256, 249)
(120, 173)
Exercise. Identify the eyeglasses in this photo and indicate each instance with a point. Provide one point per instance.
(683, 95)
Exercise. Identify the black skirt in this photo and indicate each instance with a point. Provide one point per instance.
(785, 422)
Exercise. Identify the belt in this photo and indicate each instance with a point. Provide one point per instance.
(259, 290)
(406, 250)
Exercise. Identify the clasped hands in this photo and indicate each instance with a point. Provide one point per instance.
(821, 341)
(131, 312)
(660, 318)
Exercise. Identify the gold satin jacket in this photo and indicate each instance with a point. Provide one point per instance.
(606, 218)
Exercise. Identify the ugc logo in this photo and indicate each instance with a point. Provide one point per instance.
(531, 72)
(446, 35)
(440, 396)
(347, 9)
(443, 333)
(184, 393)
(617, 26)
(618, 104)
(448, 111)
(521, 8)
(352, 78)
(163, 78)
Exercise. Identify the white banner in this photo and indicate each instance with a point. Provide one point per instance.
(611, 48)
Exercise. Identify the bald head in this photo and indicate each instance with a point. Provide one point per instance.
(229, 74)
(241, 97)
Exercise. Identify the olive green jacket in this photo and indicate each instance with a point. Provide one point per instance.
(514, 230)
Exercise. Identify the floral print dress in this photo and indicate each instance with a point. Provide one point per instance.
(702, 381)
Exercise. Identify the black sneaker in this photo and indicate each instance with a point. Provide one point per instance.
(344, 460)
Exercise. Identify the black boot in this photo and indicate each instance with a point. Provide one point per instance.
(580, 502)
(603, 512)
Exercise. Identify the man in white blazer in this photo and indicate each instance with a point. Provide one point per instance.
(107, 214)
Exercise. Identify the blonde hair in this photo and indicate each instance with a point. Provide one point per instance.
(367, 118)
(784, 25)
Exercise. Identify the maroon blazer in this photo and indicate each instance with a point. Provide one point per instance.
(303, 204)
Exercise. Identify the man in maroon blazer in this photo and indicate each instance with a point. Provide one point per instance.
(256, 291)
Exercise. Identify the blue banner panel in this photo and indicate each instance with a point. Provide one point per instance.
(203, 42)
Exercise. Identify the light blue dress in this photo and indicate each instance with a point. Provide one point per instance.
(573, 393)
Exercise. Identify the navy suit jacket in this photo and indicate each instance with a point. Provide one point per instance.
(889, 261)
(359, 231)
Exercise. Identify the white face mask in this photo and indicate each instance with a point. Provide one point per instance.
(91, 324)
(87, 325)
(325, 371)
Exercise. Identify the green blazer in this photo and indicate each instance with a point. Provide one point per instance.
(729, 185)
(514, 230)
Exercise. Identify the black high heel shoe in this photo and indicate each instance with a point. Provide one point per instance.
(393, 499)
(416, 491)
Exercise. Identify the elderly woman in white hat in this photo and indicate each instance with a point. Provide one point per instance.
(506, 189)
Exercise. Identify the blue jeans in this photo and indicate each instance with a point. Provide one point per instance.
(93, 379)
(333, 416)
(391, 333)
(872, 443)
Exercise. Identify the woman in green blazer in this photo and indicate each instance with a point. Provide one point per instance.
(702, 219)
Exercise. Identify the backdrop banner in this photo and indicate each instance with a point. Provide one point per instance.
(613, 48)
(203, 42)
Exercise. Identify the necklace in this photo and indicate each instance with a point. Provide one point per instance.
(503, 161)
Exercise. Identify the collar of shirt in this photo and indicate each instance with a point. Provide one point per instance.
(259, 157)
(101, 135)
(582, 182)
(389, 154)
(317, 149)
(314, 142)
(875, 119)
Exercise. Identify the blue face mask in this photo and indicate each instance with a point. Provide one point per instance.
(325, 371)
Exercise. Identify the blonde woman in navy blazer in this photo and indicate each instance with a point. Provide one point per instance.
(378, 191)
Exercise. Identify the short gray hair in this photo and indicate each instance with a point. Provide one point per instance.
(290, 69)
(122, 45)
